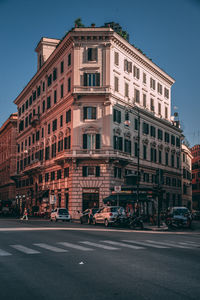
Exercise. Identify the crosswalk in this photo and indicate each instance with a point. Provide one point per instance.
(107, 245)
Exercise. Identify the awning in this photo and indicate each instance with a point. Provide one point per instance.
(124, 197)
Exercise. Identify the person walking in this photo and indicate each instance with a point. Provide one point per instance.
(25, 215)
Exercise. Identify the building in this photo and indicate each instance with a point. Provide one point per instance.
(196, 177)
(8, 135)
(94, 105)
(186, 159)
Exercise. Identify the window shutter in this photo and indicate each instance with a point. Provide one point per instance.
(97, 83)
(84, 141)
(84, 113)
(84, 171)
(97, 171)
(85, 79)
(114, 115)
(97, 141)
(94, 54)
(94, 113)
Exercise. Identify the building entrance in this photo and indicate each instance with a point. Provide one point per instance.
(90, 198)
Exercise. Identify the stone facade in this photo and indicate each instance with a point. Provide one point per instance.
(187, 176)
(195, 177)
(81, 116)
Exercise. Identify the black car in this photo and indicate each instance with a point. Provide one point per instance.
(87, 215)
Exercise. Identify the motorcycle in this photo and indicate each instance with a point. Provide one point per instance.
(136, 221)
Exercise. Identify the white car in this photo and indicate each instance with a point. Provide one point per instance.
(108, 215)
(60, 214)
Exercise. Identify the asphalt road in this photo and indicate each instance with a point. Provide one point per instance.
(43, 260)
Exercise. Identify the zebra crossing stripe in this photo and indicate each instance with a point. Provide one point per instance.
(4, 253)
(99, 245)
(74, 246)
(24, 249)
(146, 244)
(51, 248)
(123, 245)
(170, 244)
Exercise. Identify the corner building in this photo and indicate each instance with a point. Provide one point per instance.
(94, 105)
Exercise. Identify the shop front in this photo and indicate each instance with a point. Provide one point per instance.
(90, 198)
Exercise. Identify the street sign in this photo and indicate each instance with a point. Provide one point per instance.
(117, 188)
(52, 199)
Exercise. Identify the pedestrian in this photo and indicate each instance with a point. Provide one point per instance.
(25, 215)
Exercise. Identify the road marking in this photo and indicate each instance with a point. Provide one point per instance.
(122, 245)
(74, 246)
(4, 253)
(170, 244)
(99, 245)
(146, 244)
(51, 248)
(189, 244)
(24, 249)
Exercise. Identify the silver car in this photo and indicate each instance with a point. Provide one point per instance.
(108, 214)
(60, 214)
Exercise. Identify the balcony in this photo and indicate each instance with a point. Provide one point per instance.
(93, 154)
(89, 90)
(35, 120)
(35, 166)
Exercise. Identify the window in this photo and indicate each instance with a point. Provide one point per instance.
(60, 145)
(126, 89)
(69, 84)
(136, 124)
(91, 141)
(159, 88)
(116, 84)
(144, 78)
(91, 171)
(46, 177)
(59, 174)
(23, 108)
(30, 100)
(144, 152)
(37, 137)
(54, 125)
(53, 175)
(159, 108)
(38, 110)
(177, 142)
(136, 150)
(26, 104)
(146, 177)
(40, 178)
(92, 54)
(127, 66)
(144, 100)
(160, 157)
(153, 131)
(67, 142)
(117, 172)
(89, 113)
(43, 86)
(91, 79)
(117, 58)
(153, 155)
(172, 160)
(166, 137)
(48, 102)
(166, 158)
(34, 95)
(118, 143)
(145, 128)
(49, 80)
(61, 121)
(26, 122)
(172, 139)
(116, 116)
(152, 104)
(137, 96)
(62, 67)
(43, 106)
(69, 60)
(160, 134)
(54, 74)
(55, 96)
(136, 72)
(68, 116)
(166, 112)
(61, 91)
(49, 128)
(66, 172)
(152, 83)
(127, 146)
(33, 138)
(166, 93)
(53, 150)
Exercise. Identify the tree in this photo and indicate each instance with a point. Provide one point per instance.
(78, 23)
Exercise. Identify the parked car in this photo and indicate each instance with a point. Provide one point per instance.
(196, 215)
(108, 214)
(87, 215)
(179, 216)
(60, 214)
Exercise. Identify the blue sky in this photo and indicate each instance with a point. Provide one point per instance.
(167, 31)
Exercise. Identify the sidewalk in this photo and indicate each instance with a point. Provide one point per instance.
(163, 227)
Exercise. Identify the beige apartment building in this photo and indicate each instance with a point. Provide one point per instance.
(94, 105)
(187, 176)
(8, 136)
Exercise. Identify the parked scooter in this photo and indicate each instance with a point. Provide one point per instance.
(135, 222)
